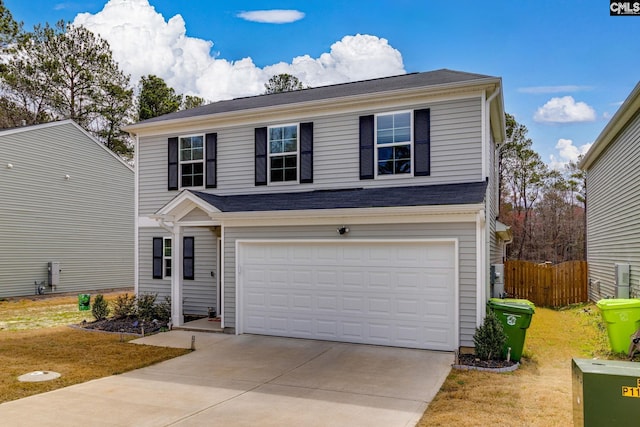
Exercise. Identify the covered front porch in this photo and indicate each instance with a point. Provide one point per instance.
(194, 257)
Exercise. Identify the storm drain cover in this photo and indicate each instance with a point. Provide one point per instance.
(37, 376)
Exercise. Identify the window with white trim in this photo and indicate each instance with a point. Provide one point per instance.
(191, 155)
(166, 257)
(283, 153)
(394, 143)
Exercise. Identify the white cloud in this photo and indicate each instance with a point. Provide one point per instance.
(275, 16)
(567, 152)
(553, 89)
(187, 64)
(564, 110)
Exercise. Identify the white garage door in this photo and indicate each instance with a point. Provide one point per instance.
(390, 293)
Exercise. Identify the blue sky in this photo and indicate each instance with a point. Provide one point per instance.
(566, 65)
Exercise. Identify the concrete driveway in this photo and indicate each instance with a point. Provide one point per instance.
(250, 380)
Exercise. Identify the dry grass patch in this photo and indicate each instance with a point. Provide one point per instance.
(539, 392)
(43, 312)
(31, 341)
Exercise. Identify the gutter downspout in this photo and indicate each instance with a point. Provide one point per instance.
(493, 95)
(484, 229)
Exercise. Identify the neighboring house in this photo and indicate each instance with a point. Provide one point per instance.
(361, 212)
(613, 204)
(67, 200)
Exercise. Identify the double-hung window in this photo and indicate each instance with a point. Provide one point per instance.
(283, 153)
(394, 143)
(191, 151)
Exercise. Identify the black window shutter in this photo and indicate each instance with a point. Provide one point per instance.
(422, 142)
(366, 147)
(187, 258)
(261, 156)
(211, 153)
(157, 257)
(173, 164)
(306, 153)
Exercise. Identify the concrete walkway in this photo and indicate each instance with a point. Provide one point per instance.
(249, 380)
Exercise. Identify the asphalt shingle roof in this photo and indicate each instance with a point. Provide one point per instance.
(426, 195)
(405, 81)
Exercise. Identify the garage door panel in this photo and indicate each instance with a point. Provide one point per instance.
(378, 293)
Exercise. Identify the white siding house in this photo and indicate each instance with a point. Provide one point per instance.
(361, 212)
(613, 202)
(64, 199)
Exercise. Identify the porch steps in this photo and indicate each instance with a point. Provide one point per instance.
(201, 325)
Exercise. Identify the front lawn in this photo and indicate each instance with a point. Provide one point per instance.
(33, 338)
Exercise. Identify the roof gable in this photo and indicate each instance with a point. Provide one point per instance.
(52, 126)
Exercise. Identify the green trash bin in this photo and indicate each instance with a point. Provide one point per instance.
(622, 317)
(517, 301)
(515, 318)
(84, 302)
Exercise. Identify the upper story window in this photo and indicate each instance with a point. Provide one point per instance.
(394, 143)
(283, 153)
(191, 149)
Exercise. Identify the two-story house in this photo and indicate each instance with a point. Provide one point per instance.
(360, 212)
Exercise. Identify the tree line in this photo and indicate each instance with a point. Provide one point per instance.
(67, 72)
(545, 208)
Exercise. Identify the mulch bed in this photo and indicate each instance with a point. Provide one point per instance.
(125, 325)
(470, 361)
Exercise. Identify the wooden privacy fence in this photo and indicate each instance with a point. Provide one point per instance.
(545, 284)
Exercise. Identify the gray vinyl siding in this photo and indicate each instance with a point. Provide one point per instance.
(456, 154)
(197, 294)
(85, 223)
(493, 206)
(613, 208)
(464, 232)
(146, 283)
(200, 293)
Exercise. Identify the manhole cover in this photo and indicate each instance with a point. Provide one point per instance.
(37, 376)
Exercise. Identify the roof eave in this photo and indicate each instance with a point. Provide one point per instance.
(618, 122)
(354, 101)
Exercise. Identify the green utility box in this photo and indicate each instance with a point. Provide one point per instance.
(515, 318)
(622, 317)
(605, 392)
(84, 302)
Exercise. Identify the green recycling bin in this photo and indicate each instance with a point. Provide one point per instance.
(515, 318)
(622, 317)
(517, 301)
(84, 302)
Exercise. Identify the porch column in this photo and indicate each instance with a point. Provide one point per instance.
(176, 276)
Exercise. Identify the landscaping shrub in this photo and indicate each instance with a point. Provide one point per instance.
(490, 338)
(124, 306)
(163, 310)
(100, 309)
(147, 309)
